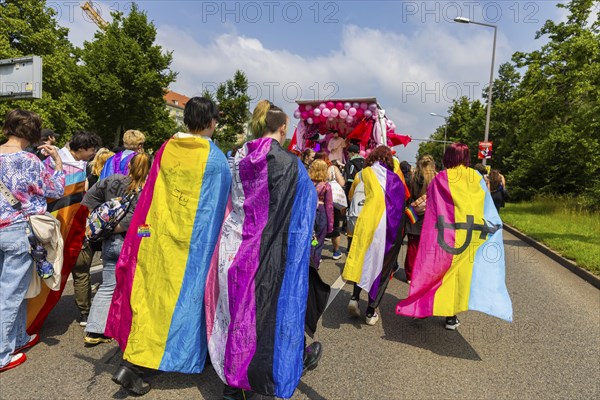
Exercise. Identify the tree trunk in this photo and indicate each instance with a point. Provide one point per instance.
(117, 136)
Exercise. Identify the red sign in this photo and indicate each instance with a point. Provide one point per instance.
(485, 150)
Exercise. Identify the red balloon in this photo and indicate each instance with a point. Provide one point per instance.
(339, 106)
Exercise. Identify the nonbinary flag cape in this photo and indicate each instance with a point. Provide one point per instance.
(157, 311)
(376, 239)
(72, 215)
(460, 261)
(256, 292)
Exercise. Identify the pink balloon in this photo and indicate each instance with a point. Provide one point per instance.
(339, 106)
(310, 113)
(355, 105)
(352, 111)
(343, 114)
(317, 112)
(304, 114)
(363, 153)
(349, 120)
(326, 112)
(297, 114)
(347, 106)
(334, 113)
(302, 108)
(373, 107)
(322, 106)
(309, 121)
(364, 106)
(330, 105)
(368, 114)
(360, 113)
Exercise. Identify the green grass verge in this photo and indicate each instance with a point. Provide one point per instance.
(573, 233)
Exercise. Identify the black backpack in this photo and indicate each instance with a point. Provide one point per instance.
(352, 168)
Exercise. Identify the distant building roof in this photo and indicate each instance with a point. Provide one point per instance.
(175, 99)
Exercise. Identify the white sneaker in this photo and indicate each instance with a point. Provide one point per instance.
(372, 320)
(353, 308)
(452, 323)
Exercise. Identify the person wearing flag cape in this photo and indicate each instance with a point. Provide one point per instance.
(258, 285)
(460, 262)
(377, 236)
(157, 310)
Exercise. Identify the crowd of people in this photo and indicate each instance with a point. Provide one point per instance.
(215, 258)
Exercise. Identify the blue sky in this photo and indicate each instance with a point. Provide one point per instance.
(410, 55)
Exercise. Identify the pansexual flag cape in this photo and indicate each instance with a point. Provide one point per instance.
(257, 287)
(460, 261)
(157, 311)
(377, 235)
(72, 216)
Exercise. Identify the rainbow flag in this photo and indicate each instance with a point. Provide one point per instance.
(376, 243)
(72, 216)
(411, 214)
(157, 312)
(257, 287)
(460, 262)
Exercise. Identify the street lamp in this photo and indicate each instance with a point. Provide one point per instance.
(464, 20)
(445, 126)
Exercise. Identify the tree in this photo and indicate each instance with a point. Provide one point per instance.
(233, 100)
(505, 117)
(29, 27)
(466, 121)
(545, 125)
(125, 76)
(558, 139)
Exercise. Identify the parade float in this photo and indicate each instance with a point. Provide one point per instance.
(360, 121)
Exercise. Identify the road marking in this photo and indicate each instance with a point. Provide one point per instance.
(336, 288)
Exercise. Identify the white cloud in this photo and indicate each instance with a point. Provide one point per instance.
(411, 75)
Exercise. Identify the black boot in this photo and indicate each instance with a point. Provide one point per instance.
(312, 355)
(131, 381)
(231, 393)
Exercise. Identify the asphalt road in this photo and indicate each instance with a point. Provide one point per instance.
(551, 350)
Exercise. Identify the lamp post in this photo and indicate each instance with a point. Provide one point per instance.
(445, 126)
(464, 20)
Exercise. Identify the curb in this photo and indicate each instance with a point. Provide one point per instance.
(571, 266)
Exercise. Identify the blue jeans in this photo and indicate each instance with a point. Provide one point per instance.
(111, 248)
(15, 275)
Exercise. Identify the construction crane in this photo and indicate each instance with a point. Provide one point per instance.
(93, 14)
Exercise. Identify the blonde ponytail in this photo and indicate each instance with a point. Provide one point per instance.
(266, 118)
(258, 124)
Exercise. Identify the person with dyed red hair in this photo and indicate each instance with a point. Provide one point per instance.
(457, 154)
(453, 271)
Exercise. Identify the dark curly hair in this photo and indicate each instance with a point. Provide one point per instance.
(383, 154)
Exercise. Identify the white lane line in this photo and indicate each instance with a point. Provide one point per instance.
(336, 288)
